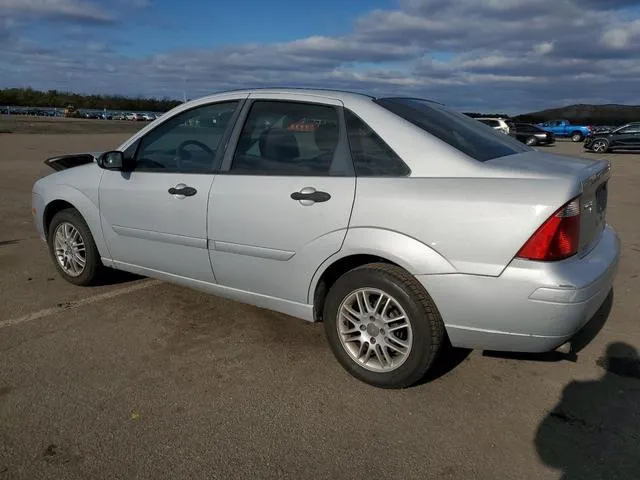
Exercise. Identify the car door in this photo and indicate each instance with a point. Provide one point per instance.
(627, 137)
(282, 202)
(155, 216)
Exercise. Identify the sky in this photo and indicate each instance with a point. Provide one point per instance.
(509, 56)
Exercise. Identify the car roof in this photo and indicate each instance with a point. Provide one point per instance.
(341, 95)
(334, 94)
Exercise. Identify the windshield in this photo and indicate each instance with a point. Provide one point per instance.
(463, 133)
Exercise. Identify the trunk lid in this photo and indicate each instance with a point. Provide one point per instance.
(591, 177)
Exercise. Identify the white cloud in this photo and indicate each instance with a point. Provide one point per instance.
(543, 48)
(74, 9)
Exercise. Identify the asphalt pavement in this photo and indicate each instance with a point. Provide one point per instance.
(143, 379)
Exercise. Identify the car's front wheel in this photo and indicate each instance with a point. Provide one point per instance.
(382, 326)
(73, 249)
(600, 145)
(531, 141)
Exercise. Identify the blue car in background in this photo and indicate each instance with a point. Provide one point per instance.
(564, 128)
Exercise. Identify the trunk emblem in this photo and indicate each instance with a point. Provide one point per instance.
(588, 206)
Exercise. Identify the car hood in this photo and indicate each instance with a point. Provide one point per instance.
(63, 162)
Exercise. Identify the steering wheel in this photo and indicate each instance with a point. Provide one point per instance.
(182, 153)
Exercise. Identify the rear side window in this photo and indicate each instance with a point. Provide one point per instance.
(372, 157)
(461, 132)
(287, 138)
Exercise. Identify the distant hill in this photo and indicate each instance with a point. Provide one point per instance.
(609, 114)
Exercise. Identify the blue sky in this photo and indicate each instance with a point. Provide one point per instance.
(482, 55)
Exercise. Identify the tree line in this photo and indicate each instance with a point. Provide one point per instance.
(28, 97)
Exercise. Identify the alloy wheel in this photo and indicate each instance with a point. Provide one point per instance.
(599, 146)
(374, 330)
(70, 249)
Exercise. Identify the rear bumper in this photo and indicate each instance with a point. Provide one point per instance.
(531, 306)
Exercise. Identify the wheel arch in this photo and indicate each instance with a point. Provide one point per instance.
(69, 197)
(374, 245)
(50, 210)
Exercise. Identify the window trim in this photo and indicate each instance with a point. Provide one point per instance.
(408, 169)
(224, 140)
(342, 147)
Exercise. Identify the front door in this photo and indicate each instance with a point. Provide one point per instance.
(628, 137)
(282, 203)
(155, 217)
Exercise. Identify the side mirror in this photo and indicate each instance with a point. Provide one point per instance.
(114, 160)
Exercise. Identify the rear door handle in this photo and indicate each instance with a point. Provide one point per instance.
(181, 190)
(309, 196)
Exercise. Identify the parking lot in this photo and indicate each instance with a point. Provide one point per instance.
(143, 379)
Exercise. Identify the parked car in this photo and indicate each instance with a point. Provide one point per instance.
(500, 124)
(626, 137)
(148, 117)
(532, 135)
(564, 128)
(135, 117)
(455, 234)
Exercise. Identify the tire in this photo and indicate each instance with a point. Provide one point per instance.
(93, 268)
(531, 141)
(577, 137)
(600, 145)
(425, 334)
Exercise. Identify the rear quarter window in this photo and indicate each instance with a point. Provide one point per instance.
(463, 133)
(371, 156)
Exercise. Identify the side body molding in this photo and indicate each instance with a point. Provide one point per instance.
(409, 253)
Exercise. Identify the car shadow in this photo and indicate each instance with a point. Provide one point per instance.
(594, 430)
(577, 343)
(115, 277)
(448, 359)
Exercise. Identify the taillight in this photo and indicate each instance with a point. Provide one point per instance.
(557, 238)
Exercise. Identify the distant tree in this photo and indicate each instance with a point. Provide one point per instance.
(28, 97)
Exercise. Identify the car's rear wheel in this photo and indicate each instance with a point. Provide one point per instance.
(382, 326)
(600, 145)
(577, 137)
(73, 249)
(531, 141)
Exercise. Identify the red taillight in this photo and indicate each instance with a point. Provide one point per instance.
(557, 238)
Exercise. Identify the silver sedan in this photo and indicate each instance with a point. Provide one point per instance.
(401, 224)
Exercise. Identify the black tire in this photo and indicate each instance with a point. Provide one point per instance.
(577, 136)
(93, 268)
(531, 141)
(426, 324)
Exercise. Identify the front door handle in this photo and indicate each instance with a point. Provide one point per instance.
(183, 190)
(309, 196)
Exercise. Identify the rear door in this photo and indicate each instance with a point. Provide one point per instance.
(282, 202)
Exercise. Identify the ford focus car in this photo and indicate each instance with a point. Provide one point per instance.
(401, 224)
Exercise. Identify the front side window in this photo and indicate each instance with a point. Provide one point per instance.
(372, 157)
(461, 132)
(287, 138)
(187, 142)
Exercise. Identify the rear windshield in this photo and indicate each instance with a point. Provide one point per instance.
(458, 130)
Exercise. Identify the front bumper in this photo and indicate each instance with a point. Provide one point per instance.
(37, 210)
(531, 306)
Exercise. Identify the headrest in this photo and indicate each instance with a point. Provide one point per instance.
(279, 144)
(326, 136)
